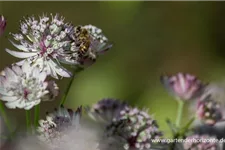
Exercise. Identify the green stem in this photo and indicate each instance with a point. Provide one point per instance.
(28, 122)
(3, 114)
(68, 87)
(179, 113)
(36, 115)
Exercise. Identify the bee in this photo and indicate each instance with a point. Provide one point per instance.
(90, 43)
(83, 40)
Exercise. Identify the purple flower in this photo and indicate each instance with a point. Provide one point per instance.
(2, 24)
(200, 142)
(106, 109)
(183, 86)
(209, 111)
(134, 128)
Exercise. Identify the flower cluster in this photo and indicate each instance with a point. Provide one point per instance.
(183, 86)
(209, 97)
(200, 142)
(25, 86)
(47, 42)
(135, 127)
(106, 110)
(56, 122)
(209, 111)
(131, 126)
(44, 44)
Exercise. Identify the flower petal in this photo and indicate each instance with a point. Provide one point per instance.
(20, 54)
(59, 69)
(20, 47)
(8, 98)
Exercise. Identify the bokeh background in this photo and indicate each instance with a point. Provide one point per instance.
(150, 39)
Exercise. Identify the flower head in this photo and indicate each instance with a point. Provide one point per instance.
(23, 86)
(56, 122)
(200, 142)
(89, 43)
(183, 86)
(209, 111)
(2, 24)
(106, 109)
(42, 42)
(135, 128)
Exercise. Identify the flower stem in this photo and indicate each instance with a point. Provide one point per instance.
(68, 87)
(36, 115)
(28, 122)
(179, 113)
(2, 112)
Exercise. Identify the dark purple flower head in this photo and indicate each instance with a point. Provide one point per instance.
(135, 128)
(183, 86)
(2, 24)
(209, 111)
(200, 142)
(106, 110)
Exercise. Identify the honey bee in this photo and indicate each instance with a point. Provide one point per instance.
(90, 43)
(83, 40)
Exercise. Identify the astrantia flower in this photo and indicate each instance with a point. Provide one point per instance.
(135, 128)
(209, 111)
(183, 86)
(89, 43)
(23, 87)
(42, 42)
(2, 24)
(200, 142)
(106, 109)
(56, 122)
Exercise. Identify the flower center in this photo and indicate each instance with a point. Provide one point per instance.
(25, 93)
(43, 47)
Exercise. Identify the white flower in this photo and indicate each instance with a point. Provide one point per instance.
(23, 87)
(42, 43)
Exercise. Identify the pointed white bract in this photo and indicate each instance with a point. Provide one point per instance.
(42, 41)
(23, 86)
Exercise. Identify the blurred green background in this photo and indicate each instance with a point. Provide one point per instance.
(150, 39)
